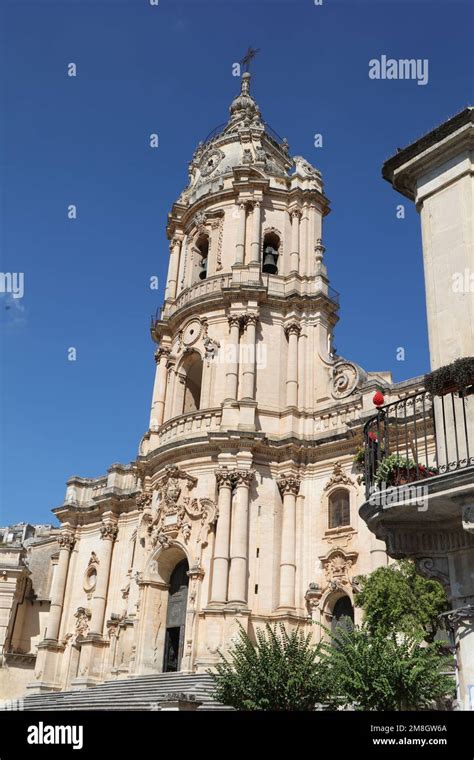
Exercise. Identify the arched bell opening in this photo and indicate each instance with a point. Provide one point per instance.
(202, 247)
(271, 246)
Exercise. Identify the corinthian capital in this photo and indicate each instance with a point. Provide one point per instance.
(224, 477)
(108, 531)
(66, 541)
(234, 319)
(249, 319)
(293, 328)
(289, 484)
(243, 477)
(161, 352)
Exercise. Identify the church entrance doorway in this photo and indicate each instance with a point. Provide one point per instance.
(176, 617)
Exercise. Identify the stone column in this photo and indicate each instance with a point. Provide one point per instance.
(295, 240)
(292, 332)
(170, 382)
(173, 269)
(240, 239)
(222, 546)
(248, 373)
(66, 544)
(108, 534)
(311, 239)
(239, 539)
(255, 245)
(232, 358)
(289, 487)
(159, 390)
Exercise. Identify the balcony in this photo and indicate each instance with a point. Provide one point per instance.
(273, 285)
(419, 474)
(417, 438)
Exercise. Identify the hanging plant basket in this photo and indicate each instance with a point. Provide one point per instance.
(452, 378)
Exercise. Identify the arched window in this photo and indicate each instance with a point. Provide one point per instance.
(339, 508)
(202, 246)
(192, 384)
(271, 245)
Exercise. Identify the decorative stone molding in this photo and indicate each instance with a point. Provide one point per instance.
(337, 563)
(288, 484)
(319, 251)
(144, 499)
(468, 518)
(345, 379)
(108, 531)
(211, 348)
(338, 478)
(313, 597)
(218, 224)
(434, 568)
(174, 516)
(83, 617)
(66, 541)
(304, 167)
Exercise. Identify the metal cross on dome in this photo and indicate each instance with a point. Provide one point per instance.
(251, 53)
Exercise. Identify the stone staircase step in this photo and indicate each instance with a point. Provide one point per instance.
(132, 693)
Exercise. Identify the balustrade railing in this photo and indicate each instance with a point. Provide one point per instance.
(418, 437)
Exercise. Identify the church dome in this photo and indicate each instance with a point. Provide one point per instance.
(245, 140)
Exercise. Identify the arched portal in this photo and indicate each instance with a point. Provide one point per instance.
(176, 617)
(342, 611)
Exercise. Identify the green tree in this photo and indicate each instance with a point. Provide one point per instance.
(398, 598)
(375, 672)
(279, 671)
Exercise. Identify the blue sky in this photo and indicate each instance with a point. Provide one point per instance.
(84, 141)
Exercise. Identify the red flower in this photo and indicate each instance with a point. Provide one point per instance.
(378, 398)
(372, 436)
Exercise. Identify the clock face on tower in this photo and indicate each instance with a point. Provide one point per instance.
(209, 161)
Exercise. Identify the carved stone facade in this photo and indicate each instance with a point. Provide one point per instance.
(254, 424)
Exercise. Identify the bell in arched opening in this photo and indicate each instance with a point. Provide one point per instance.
(202, 248)
(271, 244)
(203, 268)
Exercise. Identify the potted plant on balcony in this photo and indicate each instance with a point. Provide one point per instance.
(457, 376)
(396, 470)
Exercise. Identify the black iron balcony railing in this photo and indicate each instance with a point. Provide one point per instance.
(418, 437)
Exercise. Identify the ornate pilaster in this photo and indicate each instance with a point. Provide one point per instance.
(239, 539)
(159, 389)
(108, 534)
(289, 487)
(292, 332)
(66, 545)
(248, 374)
(256, 228)
(173, 269)
(240, 240)
(232, 358)
(225, 481)
(295, 215)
